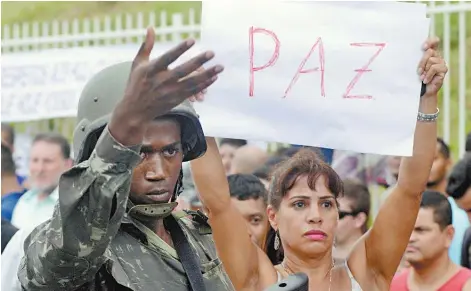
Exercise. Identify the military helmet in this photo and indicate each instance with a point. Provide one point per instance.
(100, 96)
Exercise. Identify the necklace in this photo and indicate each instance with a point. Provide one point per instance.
(290, 272)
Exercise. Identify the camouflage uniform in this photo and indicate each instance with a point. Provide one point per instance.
(96, 239)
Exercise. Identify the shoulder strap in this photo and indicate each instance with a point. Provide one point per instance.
(186, 255)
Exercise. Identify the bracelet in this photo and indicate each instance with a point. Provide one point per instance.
(428, 117)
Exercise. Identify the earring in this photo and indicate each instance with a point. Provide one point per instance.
(276, 245)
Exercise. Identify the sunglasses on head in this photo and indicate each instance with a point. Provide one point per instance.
(342, 214)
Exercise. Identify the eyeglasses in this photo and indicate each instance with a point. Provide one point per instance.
(342, 214)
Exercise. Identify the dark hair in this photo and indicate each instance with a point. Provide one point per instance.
(246, 186)
(440, 205)
(233, 142)
(305, 162)
(11, 133)
(8, 164)
(55, 138)
(444, 148)
(460, 178)
(359, 195)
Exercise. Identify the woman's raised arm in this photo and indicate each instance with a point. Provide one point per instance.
(384, 245)
(231, 235)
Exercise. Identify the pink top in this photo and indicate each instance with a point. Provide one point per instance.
(399, 283)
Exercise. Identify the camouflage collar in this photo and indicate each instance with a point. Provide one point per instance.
(148, 212)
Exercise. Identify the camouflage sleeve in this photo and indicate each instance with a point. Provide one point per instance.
(68, 250)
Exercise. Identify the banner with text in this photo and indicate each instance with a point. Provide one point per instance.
(47, 84)
(315, 73)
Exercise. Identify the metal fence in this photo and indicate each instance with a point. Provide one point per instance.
(128, 28)
(445, 11)
(120, 29)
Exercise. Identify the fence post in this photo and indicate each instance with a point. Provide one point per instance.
(45, 34)
(65, 32)
(446, 86)
(177, 25)
(16, 35)
(462, 82)
(25, 34)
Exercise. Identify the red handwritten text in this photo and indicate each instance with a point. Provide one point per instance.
(301, 69)
(272, 60)
(361, 71)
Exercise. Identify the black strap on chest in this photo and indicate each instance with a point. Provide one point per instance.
(186, 254)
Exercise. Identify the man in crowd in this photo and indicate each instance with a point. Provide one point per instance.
(49, 158)
(97, 237)
(438, 181)
(8, 230)
(11, 188)
(354, 209)
(459, 184)
(8, 136)
(427, 252)
(247, 159)
(227, 148)
(459, 187)
(250, 197)
(8, 139)
(13, 252)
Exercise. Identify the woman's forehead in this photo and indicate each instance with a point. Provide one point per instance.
(302, 187)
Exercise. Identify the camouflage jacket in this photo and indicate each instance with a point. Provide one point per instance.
(91, 243)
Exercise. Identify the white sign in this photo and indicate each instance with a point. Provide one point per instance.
(314, 73)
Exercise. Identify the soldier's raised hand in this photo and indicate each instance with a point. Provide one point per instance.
(153, 89)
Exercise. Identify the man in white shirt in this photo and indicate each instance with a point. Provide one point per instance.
(49, 158)
(11, 256)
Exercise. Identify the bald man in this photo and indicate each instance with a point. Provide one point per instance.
(247, 159)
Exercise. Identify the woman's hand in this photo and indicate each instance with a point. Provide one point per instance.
(432, 68)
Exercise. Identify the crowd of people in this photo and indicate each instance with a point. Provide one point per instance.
(148, 202)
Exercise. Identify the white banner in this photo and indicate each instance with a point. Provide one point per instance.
(315, 73)
(47, 84)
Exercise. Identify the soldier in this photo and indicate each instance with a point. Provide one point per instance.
(98, 239)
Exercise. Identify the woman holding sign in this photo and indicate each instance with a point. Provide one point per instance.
(303, 210)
